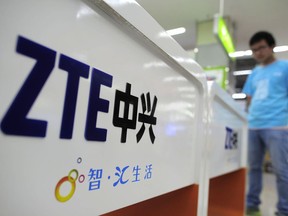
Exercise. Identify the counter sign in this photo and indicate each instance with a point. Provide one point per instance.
(15, 121)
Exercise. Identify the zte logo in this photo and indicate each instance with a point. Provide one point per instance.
(15, 122)
(231, 141)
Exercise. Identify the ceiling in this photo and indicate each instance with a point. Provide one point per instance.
(247, 17)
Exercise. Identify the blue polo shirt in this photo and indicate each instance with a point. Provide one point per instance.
(268, 87)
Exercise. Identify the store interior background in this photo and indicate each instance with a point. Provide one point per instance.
(243, 19)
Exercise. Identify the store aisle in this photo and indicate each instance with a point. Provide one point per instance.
(269, 195)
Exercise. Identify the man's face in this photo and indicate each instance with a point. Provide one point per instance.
(262, 52)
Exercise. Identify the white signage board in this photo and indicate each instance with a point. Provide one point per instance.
(95, 113)
(228, 133)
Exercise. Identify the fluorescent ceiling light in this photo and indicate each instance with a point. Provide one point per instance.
(242, 72)
(176, 31)
(249, 52)
(280, 49)
(240, 54)
(239, 96)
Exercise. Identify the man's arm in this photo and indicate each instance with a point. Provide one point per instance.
(248, 101)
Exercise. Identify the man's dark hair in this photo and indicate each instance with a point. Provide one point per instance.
(263, 35)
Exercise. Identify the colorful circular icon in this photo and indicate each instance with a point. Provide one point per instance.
(81, 178)
(69, 179)
(79, 160)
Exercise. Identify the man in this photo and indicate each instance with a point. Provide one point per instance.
(267, 103)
